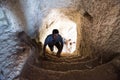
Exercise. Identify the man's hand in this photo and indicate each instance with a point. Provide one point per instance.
(58, 55)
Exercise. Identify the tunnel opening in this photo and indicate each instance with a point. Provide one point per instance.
(68, 28)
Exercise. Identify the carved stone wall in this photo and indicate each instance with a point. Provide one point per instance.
(100, 28)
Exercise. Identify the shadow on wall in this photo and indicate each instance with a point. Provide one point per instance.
(32, 43)
(88, 16)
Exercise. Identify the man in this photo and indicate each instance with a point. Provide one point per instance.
(52, 40)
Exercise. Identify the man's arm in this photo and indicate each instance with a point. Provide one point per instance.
(61, 41)
(62, 44)
(44, 50)
(44, 47)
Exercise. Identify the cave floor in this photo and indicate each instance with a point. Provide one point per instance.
(72, 68)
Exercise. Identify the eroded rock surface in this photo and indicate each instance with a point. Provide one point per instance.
(100, 29)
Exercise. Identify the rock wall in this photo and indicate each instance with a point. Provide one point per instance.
(15, 16)
(12, 55)
(100, 28)
(36, 11)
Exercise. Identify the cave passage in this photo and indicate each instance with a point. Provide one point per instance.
(67, 29)
(90, 30)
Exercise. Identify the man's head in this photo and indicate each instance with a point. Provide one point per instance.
(55, 31)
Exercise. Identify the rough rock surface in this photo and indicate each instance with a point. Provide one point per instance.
(102, 23)
(100, 30)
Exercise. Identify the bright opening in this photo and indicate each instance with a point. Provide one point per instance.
(67, 29)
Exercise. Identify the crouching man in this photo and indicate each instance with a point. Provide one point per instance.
(52, 40)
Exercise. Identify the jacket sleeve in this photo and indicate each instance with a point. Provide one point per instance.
(46, 41)
(44, 47)
(61, 41)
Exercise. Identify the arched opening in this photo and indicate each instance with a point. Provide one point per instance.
(67, 26)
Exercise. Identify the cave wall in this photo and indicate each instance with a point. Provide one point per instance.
(101, 19)
(17, 15)
(11, 57)
(36, 11)
(100, 27)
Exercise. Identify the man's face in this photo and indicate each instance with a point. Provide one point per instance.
(55, 36)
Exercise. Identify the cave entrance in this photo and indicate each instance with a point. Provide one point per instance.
(67, 29)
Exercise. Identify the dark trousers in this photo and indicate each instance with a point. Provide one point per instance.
(59, 47)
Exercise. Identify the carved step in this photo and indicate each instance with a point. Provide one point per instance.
(103, 72)
(65, 66)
